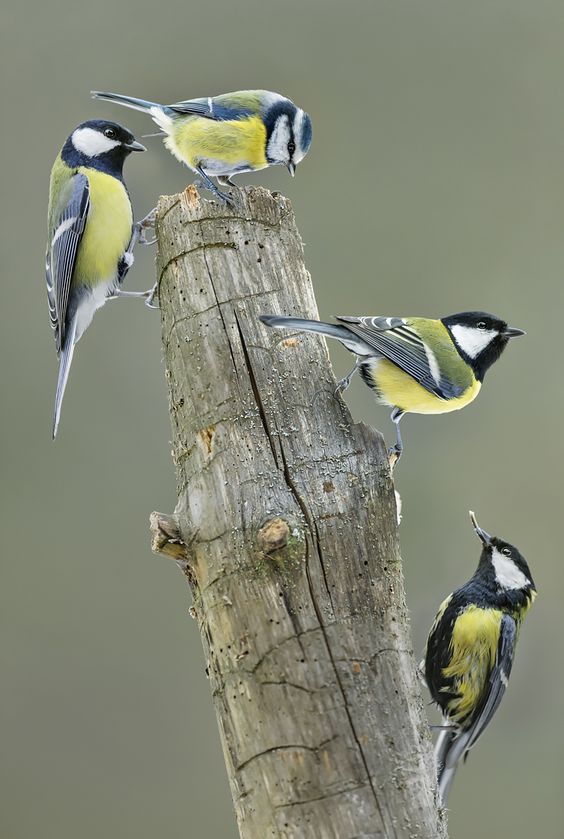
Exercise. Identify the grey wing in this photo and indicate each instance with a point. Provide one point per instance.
(495, 691)
(61, 253)
(499, 678)
(396, 341)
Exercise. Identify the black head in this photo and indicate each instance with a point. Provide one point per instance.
(502, 563)
(101, 145)
(480, 338)
(288, 134)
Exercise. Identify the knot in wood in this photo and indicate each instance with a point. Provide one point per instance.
(273, 535)
(166, 538)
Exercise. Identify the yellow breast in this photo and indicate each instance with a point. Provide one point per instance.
(236, 143)
(399, 389)
(108, 228)
(473, 650)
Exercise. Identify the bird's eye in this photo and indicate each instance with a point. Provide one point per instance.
(291, 148)
(506, 551)
(481, 325)
(110, 133)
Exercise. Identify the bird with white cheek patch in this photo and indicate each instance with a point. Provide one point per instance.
(91, 235)
(222, 136)
(416, 365)
(470, 649)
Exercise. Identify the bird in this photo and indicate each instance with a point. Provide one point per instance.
(221, 136)
(91, 234)
(414, 364)
(470, 649)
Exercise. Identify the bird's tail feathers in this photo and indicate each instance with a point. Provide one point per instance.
(65, 361)
(128, 101)
(449, 748)
(330, 330)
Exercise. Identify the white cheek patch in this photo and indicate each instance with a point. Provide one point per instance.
(506, 572)
(299, 154)
(91, 142)
(277, 148)
(472, 340)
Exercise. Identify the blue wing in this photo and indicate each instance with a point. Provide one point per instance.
(62, 251)
(393, 339)
(210, 109)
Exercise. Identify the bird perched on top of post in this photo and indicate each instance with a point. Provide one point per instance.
(416, 365)
(471, 646)
(221, 136)
(91, 234)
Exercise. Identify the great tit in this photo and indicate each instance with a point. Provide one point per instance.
(470, 649)
(91, 234)
(416, 365)
(221, 136)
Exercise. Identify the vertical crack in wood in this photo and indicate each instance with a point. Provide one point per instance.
(256, 393)
(319, 554)
(314, 535)
(219, 309)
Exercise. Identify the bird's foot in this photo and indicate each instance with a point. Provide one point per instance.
(394, 454)
(345, 382)
(150, 297)
(147, 223)
(226, 197)
(342, 385)
(206, 183)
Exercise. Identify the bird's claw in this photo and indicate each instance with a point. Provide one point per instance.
(149, 220)
(150, 299)
(225, 196)
(394, 454)
(342, 385)
(211, 187)
(147, 223)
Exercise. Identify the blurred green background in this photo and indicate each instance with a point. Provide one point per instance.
(435, 184)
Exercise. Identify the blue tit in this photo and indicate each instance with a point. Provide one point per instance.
(91, 234)
(470, 649)
(221, 136)
(416, 365)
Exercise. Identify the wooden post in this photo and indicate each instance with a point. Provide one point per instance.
(286, 530)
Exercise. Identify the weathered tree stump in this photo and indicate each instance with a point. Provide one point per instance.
(286, 530)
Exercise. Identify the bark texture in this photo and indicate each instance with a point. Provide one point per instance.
(286, 529)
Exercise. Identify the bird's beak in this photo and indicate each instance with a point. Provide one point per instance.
(482, 535)
(291, 167)
(134, 146)
(513, 332)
